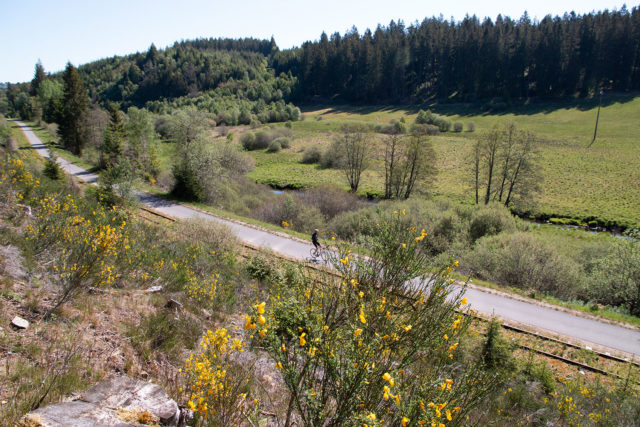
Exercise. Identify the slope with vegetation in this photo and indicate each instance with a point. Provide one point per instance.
(198, 122)
(227, 337)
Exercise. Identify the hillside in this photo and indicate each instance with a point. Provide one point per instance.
(225, 335)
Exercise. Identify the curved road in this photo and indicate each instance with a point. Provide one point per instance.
(583, 329)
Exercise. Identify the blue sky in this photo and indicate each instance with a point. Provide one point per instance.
(82, 31)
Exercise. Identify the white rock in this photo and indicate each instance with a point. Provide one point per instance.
(154, 289)
(20, 323)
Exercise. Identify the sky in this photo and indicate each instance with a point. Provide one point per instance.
(81, 31)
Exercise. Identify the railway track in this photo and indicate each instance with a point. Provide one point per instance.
(579, 358)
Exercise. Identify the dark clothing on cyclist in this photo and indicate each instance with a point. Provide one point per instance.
(314, 239)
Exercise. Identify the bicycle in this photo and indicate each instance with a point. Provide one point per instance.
(317, 253)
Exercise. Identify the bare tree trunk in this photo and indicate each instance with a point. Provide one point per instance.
(390, 165)
(492, 148)
(506, 158)
(476, 169)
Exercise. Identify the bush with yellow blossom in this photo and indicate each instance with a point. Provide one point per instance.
(375, 346)
(216, 384)
(87, 246)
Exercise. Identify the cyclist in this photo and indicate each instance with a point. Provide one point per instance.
(314, 239)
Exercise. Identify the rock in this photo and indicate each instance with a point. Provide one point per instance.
(173, 304)
(12, 262)
(114, 402)
(154, 289)
(20, 323)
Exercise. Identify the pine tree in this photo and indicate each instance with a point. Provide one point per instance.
(111, 149)
(38, 77)
(74, 105)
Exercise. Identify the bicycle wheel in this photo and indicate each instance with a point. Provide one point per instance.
(314, 252)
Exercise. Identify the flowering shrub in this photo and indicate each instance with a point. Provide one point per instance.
(215, 384)
(85, 247)
(14, 172)
(376, 345)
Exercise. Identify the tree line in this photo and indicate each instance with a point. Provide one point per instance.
(229, 78)
(471, 59)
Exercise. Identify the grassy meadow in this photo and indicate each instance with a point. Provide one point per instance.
(580, 182)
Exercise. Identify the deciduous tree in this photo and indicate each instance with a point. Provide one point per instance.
(505, 164)
(356, 152)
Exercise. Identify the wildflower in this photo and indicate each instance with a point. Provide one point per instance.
(403, 212)
(372, 416)
(388, 378)
(448, 414)
(387, 392)
(303, 341)
(405, 421)
(357, 332)
(464, 301)
(362, 318)
(260, 307)
(248, 324)
(407, 328)
(261, 320)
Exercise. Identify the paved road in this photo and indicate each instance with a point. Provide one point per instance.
(584, 329)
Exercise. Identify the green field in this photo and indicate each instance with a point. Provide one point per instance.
(580, 182)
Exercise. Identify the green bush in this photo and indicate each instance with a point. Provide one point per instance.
(489, 220)
(332, 156)
(458, 126)
(443, 124)
(615, 279)
(308, 218)
(284, 142)
(471, 127)
(52, 169)
(262, 269)
(186, 185)
(4, 131)
(263, 139)
(425, 118)
(311, 155)
(248, 141)
(496, 353)
(522, 261)
(274, 147)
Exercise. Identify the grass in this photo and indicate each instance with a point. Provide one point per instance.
(283, 170)
(53, 143)
(580, 182)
